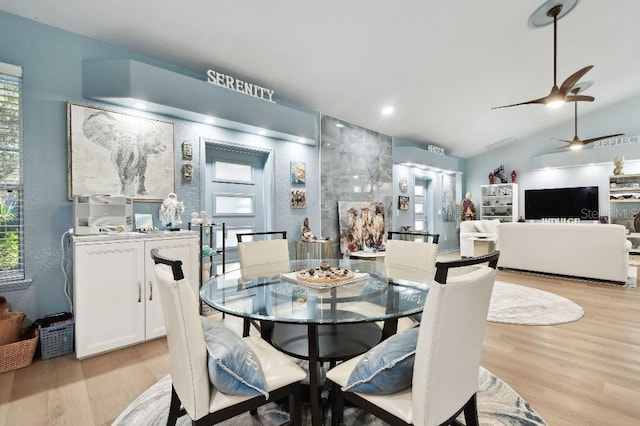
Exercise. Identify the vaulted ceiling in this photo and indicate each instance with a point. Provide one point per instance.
(441, 65)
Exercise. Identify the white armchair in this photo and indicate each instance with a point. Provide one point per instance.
(472, 230)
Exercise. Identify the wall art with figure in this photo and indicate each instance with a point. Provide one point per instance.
(448, 198)
(361, 225)
(118, 154)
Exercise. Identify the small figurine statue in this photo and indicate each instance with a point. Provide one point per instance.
(468, 209)
(514, 176)
(618, 162)
(491, 178)
(307, 235)
(170, 210)
(195, 219)
(204, 217)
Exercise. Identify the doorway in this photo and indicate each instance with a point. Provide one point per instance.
(236, 192)
(423, 204)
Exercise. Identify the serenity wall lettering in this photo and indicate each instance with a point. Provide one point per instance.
(240, 86)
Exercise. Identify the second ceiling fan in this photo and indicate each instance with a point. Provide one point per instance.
(556, 9)
(576, 142)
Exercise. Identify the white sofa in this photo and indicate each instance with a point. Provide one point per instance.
(581, 250)
(470, 230)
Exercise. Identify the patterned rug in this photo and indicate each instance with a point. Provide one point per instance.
(517, 304)
(498, 405)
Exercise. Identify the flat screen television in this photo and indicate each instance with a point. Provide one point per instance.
(562, 203)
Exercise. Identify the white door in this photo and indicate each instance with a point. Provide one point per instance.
(235, 195)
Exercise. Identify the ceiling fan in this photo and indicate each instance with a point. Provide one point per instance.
(549, 12)
(576, 143)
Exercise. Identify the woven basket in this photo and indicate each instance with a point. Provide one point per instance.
(18, 354)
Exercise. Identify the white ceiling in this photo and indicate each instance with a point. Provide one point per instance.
(442, 65)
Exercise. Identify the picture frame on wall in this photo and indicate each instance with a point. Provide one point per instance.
(403, 202)
(298, 198)
(298, 173)
(114, 153)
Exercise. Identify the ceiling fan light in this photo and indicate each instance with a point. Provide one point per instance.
(555, 103)
(574, 146)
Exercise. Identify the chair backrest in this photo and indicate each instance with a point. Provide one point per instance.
(414, 236)
(263, 257)
(447, 361)
(185, 338)
(402, 257)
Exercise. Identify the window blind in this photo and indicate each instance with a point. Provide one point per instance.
(11, 196)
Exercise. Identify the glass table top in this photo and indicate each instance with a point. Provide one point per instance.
(274, 292)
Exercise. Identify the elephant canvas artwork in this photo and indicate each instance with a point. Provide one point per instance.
(118, 154)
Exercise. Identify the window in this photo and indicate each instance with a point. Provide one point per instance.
(11, 212)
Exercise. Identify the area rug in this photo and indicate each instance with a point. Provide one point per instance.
(517, 304)
(498, 405)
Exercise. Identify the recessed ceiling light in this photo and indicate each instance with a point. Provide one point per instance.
(263, 132)
(340, 125)
(140, 105)
(301, 140)
(209, 120)
(388, 110)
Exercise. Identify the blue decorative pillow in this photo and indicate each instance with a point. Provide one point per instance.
(234, 367)
(387, 367)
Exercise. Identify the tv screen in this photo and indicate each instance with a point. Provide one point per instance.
(562, 203)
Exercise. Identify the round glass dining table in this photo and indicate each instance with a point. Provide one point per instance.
(320, 322)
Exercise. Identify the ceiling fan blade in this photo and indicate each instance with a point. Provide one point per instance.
(601, 138)
(560, 140)
(535, 101)
(573, 79)
(580, 98)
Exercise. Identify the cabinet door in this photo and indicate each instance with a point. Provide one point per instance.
(109, 296)
(184, 249)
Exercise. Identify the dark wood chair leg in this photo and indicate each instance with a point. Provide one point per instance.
(295, 406)
(174, 408)
(337, 405)
(471, 412)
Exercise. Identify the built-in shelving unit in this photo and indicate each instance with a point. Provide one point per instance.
(206, 235)
(624, 205)
(499, 201)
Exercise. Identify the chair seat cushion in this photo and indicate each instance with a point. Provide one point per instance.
(234, 368)
(387, 367)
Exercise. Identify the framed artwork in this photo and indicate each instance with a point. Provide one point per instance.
(298, 173)
(119, 154)
(448, 200)
(298, 198)
(143, 221)
(361, 225)
(403, 202)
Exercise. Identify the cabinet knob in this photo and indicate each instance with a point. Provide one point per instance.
(139, 292)
(150, 290)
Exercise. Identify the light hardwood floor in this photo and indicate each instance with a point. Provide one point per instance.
(582, 373)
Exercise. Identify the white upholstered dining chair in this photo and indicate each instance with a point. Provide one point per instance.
(443, 380)
(413, 258)
(192, 392)
(262, 258)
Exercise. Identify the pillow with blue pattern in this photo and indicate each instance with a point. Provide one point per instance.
(387, 367)
(234, 368)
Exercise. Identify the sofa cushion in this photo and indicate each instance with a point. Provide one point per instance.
(481, 226)
(234, 368)
(468, 226)
(491, 226)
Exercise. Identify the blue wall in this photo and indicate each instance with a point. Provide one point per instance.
(52, 75)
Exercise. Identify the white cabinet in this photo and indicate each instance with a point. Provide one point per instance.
(116, 303)
(499, 201)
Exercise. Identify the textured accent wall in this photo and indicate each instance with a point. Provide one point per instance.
(356, 164)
